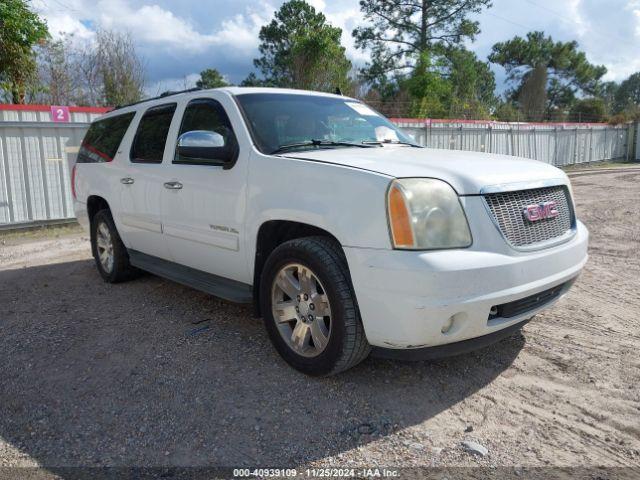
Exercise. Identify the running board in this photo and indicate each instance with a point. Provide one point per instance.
(206, 282)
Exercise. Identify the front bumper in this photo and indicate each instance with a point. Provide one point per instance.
(411, 300)
(449, 349)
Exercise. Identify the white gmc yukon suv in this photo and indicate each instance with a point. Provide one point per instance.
(347, 237)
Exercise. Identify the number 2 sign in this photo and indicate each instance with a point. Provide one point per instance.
(60, 114)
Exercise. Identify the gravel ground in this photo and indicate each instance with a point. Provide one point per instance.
(150, 373)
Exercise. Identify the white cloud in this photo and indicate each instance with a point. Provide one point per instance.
(152, 24)
(63, 19)
(574, 17)
(65, 23)
(241, 31)
(634, 6)
(318, 4)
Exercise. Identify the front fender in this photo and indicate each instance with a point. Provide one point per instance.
(347, 202)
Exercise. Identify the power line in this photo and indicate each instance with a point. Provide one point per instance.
(64, 5)
(507, 20)
(547, 9)
(46, 6)
(565, 19)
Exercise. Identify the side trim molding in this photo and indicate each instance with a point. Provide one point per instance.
(138, 221)
(225, 288)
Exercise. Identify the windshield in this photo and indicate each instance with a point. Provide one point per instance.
(277, 120)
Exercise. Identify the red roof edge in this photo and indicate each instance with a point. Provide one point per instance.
(46, 108)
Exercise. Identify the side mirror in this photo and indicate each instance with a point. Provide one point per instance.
(204, 147)
(201, 139)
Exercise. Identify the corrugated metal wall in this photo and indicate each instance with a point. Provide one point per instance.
(36, 154)
(637, 132)
(558, 146)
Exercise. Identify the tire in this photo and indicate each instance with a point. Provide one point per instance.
(345, 345)
(119, 270)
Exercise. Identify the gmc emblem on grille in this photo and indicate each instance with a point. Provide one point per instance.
(533, 213)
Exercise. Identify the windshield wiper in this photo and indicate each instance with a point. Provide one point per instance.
(390, 142)
(319, 143)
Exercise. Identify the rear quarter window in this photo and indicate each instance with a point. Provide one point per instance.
(103, 138)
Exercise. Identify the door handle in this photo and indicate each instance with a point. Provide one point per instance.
(127, 180)
(173, 185)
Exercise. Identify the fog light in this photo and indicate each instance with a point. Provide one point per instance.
(448, 324)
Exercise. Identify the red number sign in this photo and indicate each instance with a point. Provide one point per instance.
(60, 114)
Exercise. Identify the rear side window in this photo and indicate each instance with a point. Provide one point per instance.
(103, 138)
(151, 136)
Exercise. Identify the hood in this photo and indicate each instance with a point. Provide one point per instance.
(466, 172)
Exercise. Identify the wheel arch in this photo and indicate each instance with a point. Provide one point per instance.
(270, 235)
(95, 203)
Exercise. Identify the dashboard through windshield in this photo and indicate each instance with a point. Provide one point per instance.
(276, 120)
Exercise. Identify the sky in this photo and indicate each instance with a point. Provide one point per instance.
(178, 39)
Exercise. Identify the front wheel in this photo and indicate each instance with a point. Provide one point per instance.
(309, 307)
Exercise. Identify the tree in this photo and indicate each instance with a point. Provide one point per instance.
(211, 78)
(252, 80)
(429, 90)
(628, 94)
(608, 91)
(560, 98)
(533, 93)
(117, 67)
(400, 32)
(299, 49)
(506, 111)
(108, 71)
(533, 61)
(57, 74)
(472, 84)
(20, 30)
(588, 110)
(454, 84)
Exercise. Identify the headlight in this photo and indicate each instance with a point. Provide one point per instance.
(426, 214)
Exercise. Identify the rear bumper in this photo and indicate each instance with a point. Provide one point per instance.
(80, 210)
(413, 300)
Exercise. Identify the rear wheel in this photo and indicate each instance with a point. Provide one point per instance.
(108, 250)
(309, 307)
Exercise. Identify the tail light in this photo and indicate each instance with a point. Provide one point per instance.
(73, 182)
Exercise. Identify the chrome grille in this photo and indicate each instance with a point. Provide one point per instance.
(507, 209)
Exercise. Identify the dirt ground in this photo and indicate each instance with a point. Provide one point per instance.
(151, 373)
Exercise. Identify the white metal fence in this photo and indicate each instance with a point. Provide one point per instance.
(558, 145)
(35, 155)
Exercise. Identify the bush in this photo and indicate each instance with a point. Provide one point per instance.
(507, 112)
(588, 110)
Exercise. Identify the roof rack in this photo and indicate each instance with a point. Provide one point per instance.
(168, 93)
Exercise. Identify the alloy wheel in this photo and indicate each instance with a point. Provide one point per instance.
(104, 244)
(301, 310)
